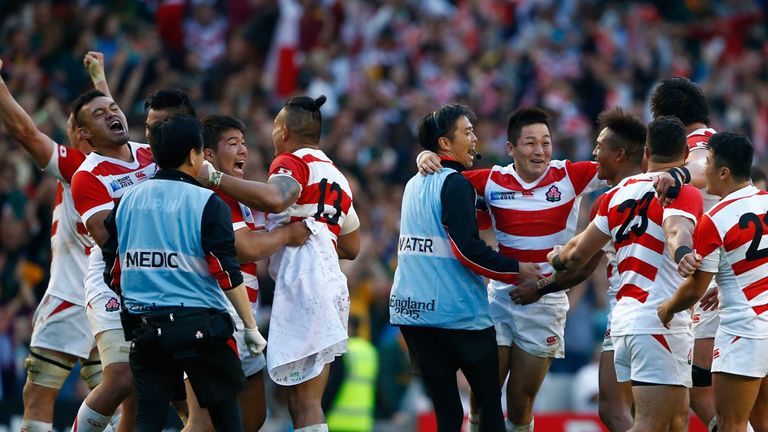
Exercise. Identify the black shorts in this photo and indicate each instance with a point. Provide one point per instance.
(212, 365)
(439, 351)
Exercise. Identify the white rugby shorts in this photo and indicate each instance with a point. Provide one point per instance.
(62, 326)
(656, 359)
(537, 328)
(740, 356)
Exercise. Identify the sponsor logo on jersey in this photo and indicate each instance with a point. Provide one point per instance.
(498, 196)
(696, 317)
(409, 307)
(553, 194)
(120, 183)
(140, 175)
(715, 353)
(112, 305)
(551, 340)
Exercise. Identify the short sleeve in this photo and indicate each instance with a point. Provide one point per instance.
(288, 164)
(601, 214)
(478, 178)
(89, 195)
(64, 162)
(688, 204)
(583, 176)
(707, 243)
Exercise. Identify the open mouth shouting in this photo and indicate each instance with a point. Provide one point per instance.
(116, 127)
(238, 167)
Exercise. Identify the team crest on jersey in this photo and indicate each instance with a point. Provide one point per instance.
(553, 194)
(284, 171)
(551, 340)
(112, 305)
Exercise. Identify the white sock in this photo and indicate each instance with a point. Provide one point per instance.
(35, 426)
(89, 420)
(749, 427)
(511, 427)
(473, 423)
(320, 427)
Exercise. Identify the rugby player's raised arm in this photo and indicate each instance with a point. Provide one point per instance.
(21, 127)
(94, 64)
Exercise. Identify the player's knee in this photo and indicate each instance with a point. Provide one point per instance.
(48, 368)
(91, 371)
(701, 377)
(118, 378)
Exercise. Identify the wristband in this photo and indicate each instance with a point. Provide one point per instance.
(685, 174)
(215, 178)
(99, 77)
(681, 252)
(674, 190)
(547, 285)
(558, 264)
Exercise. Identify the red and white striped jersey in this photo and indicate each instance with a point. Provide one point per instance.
(633, 217)
(529, 219)
(325, 192)
(732, 238)
(697, 140)
(70, 243)
(611, 270)
(244, 218)
(96, 186)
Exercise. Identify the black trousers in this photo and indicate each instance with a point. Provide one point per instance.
(439, 353)
(165, 345)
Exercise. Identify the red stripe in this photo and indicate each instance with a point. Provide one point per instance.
(744, 266)
(705, 237)
(645, 240)
(216, 269)
(756, 288)
(662, 340)
(510, 278)
(253, 294)
(638, 266)
(723, 204)
(249, 268)
(735, 339)
(233, 345)
(508, 181)
(760, 309)
(115, 273)
(532, 223)
(81, 229)
(523, 255)
(104, 169)
(63, 306)
(633, 291)
(309, 158)
(54, 228)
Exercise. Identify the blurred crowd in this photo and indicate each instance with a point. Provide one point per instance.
(382, 64)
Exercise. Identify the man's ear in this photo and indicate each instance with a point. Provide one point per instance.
(209, 154)
(621, 155)
(444, 144)
(84, 133)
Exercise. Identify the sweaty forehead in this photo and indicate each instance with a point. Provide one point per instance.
(98, 102)
(534, 130)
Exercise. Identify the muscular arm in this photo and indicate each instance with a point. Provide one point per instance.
(21, 127)
(279, 193)
(94, 64)
(582, 248)
(695, 163)
(256, 245)
(348, 245)
(678, 231)
(690, 291)
(96, 227)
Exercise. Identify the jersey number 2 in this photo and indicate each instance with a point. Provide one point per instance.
(636, 208)
(335, 188)
(753, 253)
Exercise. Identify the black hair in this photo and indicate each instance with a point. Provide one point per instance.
(173, 138)
(214, 125)
(628, 132)
(80, 101)
(523, 117)
(442, 123)
(667, 140)
(758, 175)
(682, 98)
(170, 99)
(303, 118)
(734, 151)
